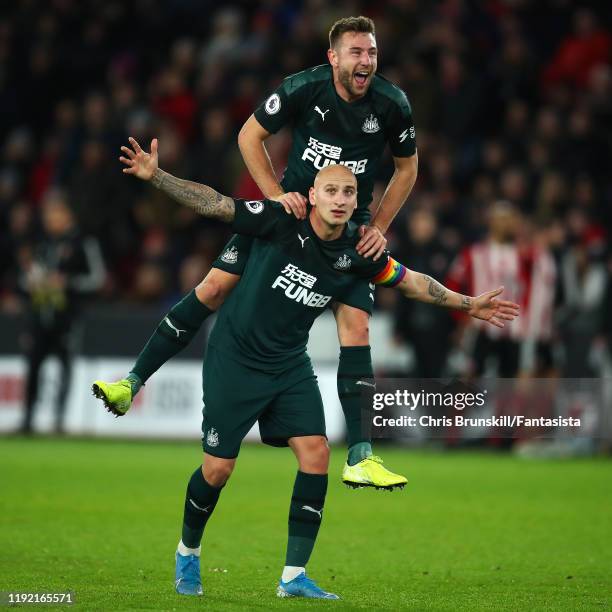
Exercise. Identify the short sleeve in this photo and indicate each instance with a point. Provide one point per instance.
(259, 218)
(368, 269)
(361, 292)
(400, 130)
(280, 107)
(359, 295)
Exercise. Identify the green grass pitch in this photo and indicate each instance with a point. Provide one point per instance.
(472, 531)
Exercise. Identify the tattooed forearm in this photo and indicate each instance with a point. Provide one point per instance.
(436, 290)
(466, 303)
(201, 198)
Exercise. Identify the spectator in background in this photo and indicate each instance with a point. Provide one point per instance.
(606, 328)
(584, 281)
(459, 100)
(212, 154)
(427, 330)
(58, 273)
(174, 102)
(580, 52)
(495, 261)
(14, 249)
(539, 275)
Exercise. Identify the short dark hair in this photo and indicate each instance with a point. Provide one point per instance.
(350, 24)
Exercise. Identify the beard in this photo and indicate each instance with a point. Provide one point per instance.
(346, 79)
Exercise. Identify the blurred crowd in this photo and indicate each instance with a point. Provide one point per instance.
(511, 100)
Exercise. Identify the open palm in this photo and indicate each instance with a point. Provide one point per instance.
(488, 308)
(140, 163)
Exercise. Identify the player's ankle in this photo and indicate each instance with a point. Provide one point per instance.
(185, 551)
(135, 382)
(358, 452)
(290, 572)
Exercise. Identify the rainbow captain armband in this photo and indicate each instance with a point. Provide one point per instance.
(392, 274)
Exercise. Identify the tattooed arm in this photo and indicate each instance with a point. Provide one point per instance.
(201, 198)
(426, 289)
(417, 286)
(486, 306)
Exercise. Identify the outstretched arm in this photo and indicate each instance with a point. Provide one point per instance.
(424, 288)
(201, 198)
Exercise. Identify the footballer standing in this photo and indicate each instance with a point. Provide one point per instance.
(339, 113)
(293, 275)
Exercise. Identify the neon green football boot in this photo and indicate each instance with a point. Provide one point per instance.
(370, 472)
(117, 396)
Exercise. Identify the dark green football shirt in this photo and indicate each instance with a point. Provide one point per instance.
(327, 130)
(290, 278)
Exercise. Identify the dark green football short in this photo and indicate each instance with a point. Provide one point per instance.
(286, 404)
(235, 254)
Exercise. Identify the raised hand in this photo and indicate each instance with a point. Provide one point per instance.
(140, 163)
(488, 308)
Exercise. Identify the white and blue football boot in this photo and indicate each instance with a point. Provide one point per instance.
(187, 579)
(302, 586)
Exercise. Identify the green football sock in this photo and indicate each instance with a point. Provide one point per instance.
(358, 452)
(135, 382)
(175, 332)
(305, 514)
(355, 389)
(200, 501)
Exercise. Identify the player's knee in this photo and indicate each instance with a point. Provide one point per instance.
(217, 471)
(213, 290)
(315, 456)
(353, 326)
(357, 334)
